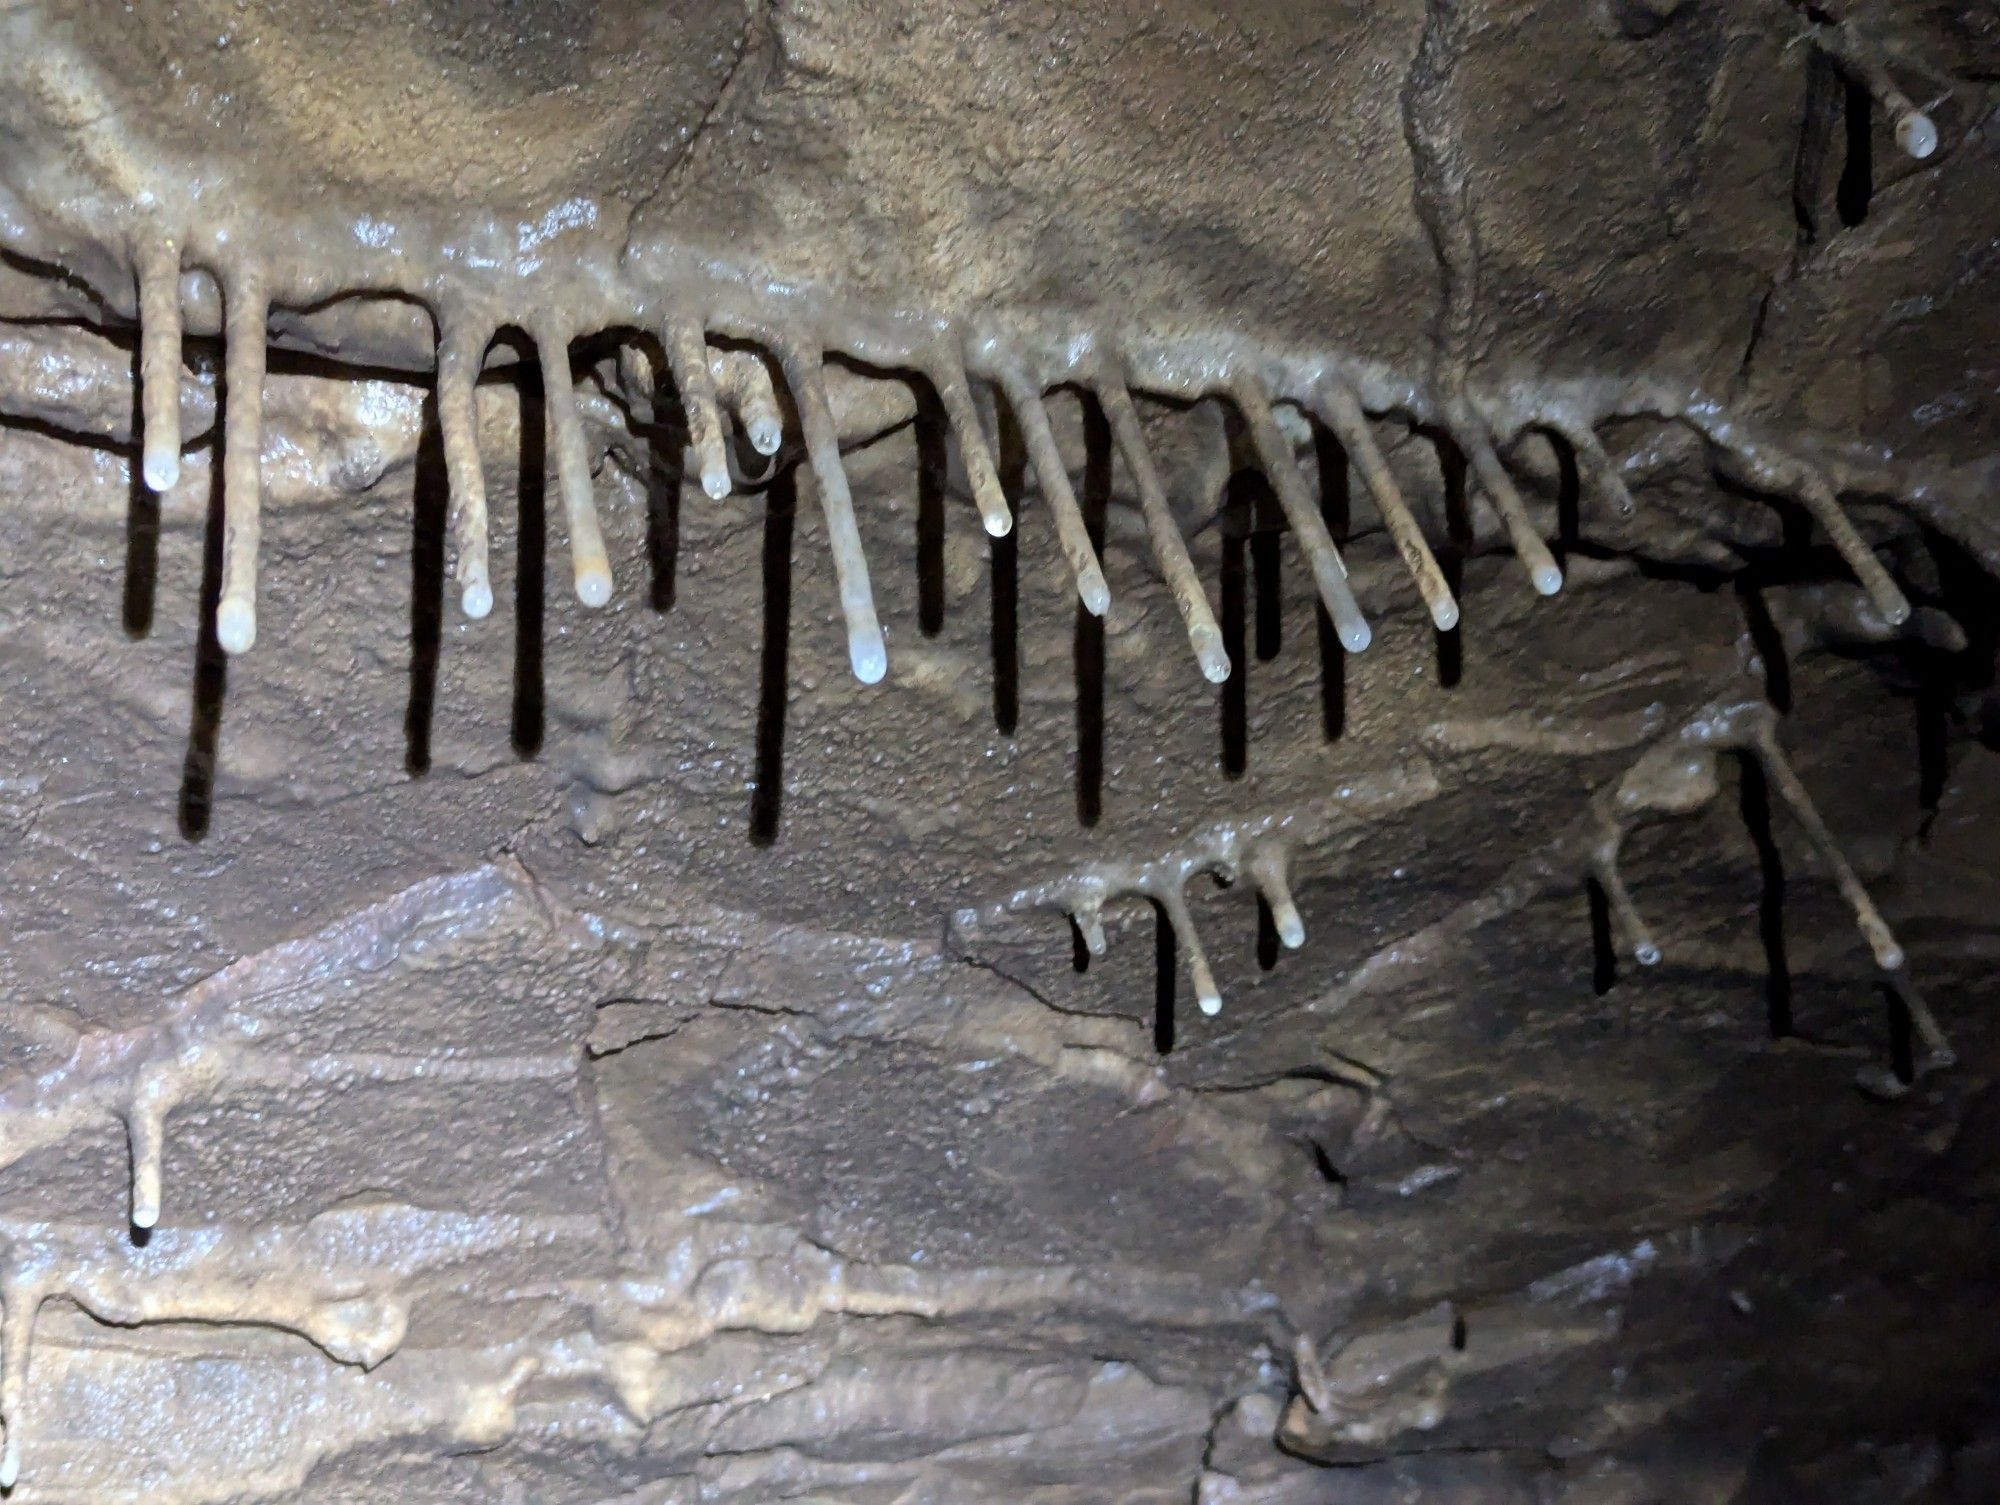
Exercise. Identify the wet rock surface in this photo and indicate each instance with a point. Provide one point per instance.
(615, 1055)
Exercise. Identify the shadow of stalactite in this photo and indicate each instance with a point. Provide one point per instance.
(1094, 500)
(767, 790)
(430, 500)
(1004, 556)
(1336, 510)
(211, 667)
(529, 720)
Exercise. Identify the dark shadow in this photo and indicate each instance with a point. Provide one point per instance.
(1569, 501)
(140, 1237)
(1822, 104)
(1936, 690)
(1451, 557)
(211, 664)
(1756, 802)
(767, 793)
(1768, 641)
(1233, 694)
(1857, 177)
(1004, 560)
(933, 474)
(1603, 951)
(1336, 508)
(1902, 1047)
(1267, 570)
(1094, 499)
(531, 554)
(1166, 979)
(431, 497)
(142, 534)
(1079, 949)
(665, 458)
(1267, 935)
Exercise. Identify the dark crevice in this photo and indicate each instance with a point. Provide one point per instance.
(774, 688)
(431, 496)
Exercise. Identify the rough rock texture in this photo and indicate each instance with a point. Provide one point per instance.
(592, 1055)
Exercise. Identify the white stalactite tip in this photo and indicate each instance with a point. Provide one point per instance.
(1916, 135)
(235, 625)
(1096, 594)
(1646, 953)
(10, 1458)
(162, 468)
(1291, 929)
(715, 481)
(1208, 652)
(477, 597)
(593, 584)
(1356, 635)
(1548, 577)
(1444, 614)
(1091, 925)
(868, 654)
(1210, 1002)
(766, 429)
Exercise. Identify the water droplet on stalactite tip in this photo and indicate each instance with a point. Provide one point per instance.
(162, 470)
(1916, 135)
(870, 658)
(235, 626)
(477, 599)
(593, 586)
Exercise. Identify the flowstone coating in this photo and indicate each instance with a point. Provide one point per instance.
(625, 618)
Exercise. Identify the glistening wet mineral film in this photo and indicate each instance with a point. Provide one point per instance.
(491, 1006)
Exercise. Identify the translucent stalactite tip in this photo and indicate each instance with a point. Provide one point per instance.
(715, 481)
(236, 626)
(1211, 1004)
(1355, 636)
(593, 585)
(162, 470)
(766, 435)
(10, 1460)
(869, 656)
(1097, 597)
(1646, 954)
(1916, 135)
(1548, 579)
(476, 599)
(1445, 614)
(1209, 652)
(1291, 929)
